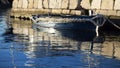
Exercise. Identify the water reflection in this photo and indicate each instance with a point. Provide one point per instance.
(61, 49)
(29, 47)
(4, 23)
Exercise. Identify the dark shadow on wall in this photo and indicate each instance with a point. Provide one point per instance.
(5, 4)
(79, 7)
(84, 11)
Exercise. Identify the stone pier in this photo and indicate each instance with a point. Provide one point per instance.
(28, 7)
(71, 7)
(105, 7)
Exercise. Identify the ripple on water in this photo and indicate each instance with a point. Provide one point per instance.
(30, 48)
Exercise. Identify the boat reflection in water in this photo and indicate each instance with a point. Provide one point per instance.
(5, 26)
(47, 47)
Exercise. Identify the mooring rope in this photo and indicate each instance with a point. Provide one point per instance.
(100, 20)
(101, 23)
(106, 19)
(112, 23)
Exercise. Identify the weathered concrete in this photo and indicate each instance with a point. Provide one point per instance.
(96, 4)
(55, 4)
(25, 4)
(65, 4)
(85, 4)
(105, 7)
(45, 3)
(107, 4)
(73, 4)
(107, 12)
(30, 5)
(65, 11)
(15, 3)
(111, 13)
(117, 5)
(57, 11)
(40, 2)
(19, 5)
(35, 4)
(118, 13)
(52, 3)
(104, 12)
(75, 12)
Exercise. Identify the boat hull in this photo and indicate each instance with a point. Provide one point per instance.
(71, 25)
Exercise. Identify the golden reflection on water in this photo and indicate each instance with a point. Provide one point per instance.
(43, 41)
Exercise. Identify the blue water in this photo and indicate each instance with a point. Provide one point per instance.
(27, 47)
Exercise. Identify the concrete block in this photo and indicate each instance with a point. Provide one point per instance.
(56, 11)
(65, 11)
(118, 13)
(107, 4)
(46, 10)
(31, 4)
(111, 13)
(15, 3)
(55, 4)
(65, 4)
(75, 12)
(96, 4)
(25, 4)
(40, 4)
(45, 4)
(20, 3)
(104, 12)
(117, 5)
(35, 4)
(85, 4)
(73, 4)
(58, 3)
(52, 3)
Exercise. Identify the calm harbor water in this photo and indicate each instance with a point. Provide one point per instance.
(27, 47)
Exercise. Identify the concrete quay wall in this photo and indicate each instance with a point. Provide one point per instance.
(48, 6)
(72, 7)
(105, 7)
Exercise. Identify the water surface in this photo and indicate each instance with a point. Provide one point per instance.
(27, 47)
